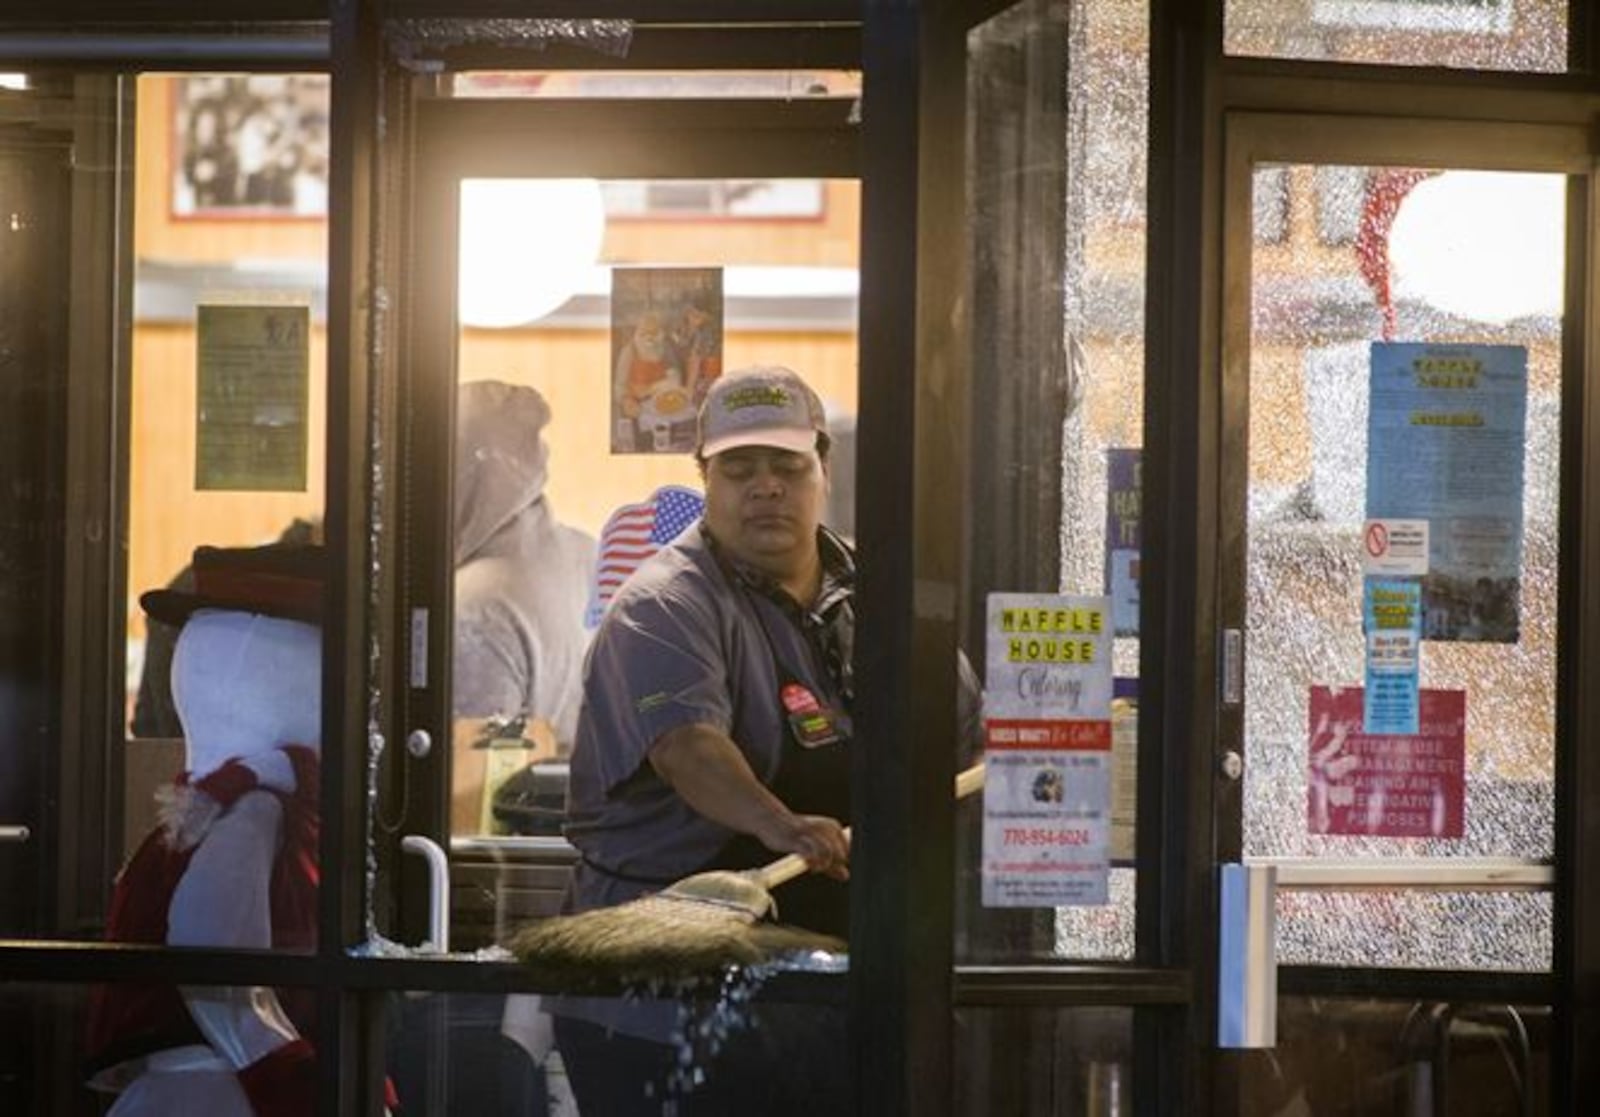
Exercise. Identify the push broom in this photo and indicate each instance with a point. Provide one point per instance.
(692, 927)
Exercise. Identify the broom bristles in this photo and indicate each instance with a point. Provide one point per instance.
(739, 892)
(698, 926)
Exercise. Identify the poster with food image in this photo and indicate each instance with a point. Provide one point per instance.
(666, 350)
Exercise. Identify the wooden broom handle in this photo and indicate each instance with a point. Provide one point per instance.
(787, 868)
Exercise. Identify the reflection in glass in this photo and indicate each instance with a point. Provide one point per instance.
(455, 1053)
(52, 1062)
(1354, 1056)
(1060, 1061)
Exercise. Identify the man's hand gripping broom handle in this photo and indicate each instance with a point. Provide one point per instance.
(787, 868)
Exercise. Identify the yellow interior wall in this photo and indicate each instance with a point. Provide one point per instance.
(571, 369)
(168, 518)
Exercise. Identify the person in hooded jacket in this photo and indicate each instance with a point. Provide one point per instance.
(521, 584)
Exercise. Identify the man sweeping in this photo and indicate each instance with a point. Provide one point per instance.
(715, 726)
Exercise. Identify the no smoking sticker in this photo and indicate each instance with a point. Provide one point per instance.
(1395, 547)
(1377, 540)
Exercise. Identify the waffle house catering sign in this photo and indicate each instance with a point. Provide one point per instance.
(1047, 730)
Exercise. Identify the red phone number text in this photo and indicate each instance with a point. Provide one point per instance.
(1041, 836)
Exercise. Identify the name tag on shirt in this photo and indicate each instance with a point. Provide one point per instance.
(811, 722)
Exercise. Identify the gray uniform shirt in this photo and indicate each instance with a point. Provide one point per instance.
(686, 641)
(519, 623)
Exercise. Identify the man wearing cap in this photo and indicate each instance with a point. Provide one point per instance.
(715, 725)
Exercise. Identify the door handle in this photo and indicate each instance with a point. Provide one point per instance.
(15, 834)
(1247, 967)
(438, 888)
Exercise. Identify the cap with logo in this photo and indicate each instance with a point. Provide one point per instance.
(765, 406)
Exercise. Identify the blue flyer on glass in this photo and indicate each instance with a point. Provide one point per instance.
(1445, 438)
(1393, 614)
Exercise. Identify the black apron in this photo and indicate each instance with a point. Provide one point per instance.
(810, 781)
(813, 778)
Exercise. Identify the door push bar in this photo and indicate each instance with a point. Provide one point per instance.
(1247, 996)
(1247, 969)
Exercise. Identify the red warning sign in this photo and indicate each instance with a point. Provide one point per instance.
(1377, 539)
(1395, 548)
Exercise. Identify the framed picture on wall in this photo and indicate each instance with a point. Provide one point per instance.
(250, 145)
(666, 345)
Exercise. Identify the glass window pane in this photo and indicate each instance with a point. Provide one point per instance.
(1415, 930)
(1057, 201)
(226, 450)
(1526, 35)
(55, 536)
(231, 213)
(1338, 1055)
(1046, 1061)
(140, 425)
(78, 1050)
(1466, 267)
(728, 1052)
(594, 317)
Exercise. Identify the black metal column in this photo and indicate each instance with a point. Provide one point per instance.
(912, 400)
(1176, 888)
(346, 1033)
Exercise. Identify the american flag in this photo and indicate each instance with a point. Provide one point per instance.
(634, 533)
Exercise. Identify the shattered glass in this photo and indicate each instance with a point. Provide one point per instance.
(1417, 930)
(1514, 35)
(1103, 316)
(1313, 318)
(1105, 931)
(1107, 140)
(416, 42)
